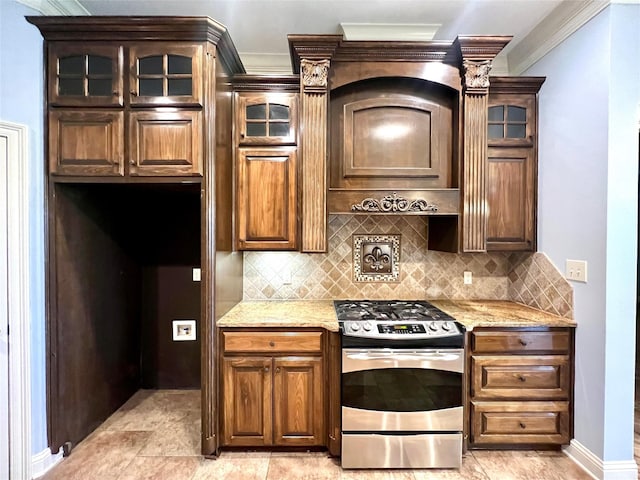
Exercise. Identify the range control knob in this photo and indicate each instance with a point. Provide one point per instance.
(433, 326)
(366, 326)
(355, 327)
(446, 326)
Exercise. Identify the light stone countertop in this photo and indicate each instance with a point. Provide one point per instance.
(320, 313)
(284, 313)
(499, 313)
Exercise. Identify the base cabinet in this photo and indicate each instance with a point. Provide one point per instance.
(272, 389)
(520, 391)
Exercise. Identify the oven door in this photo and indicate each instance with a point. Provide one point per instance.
(402, 390)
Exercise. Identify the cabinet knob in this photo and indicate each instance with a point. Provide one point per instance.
(522, 425)
(271, 344)
(134, 93)
(266, 369)
(522, 342)
(522, 378)
(132, 162)
(116, 93)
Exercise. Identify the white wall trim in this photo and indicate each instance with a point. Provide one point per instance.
(598, 469)
(18, 300)
(561, 22)
(56, 7)
(44, 461)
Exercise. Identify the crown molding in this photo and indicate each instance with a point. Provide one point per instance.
(267, 63)
(561, 22)
(56, 7)
(407, 32)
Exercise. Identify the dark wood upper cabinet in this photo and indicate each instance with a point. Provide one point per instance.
(512, 165)
(85, 75)
(266, 207)
(165, 74)
(266, 119)
(266, 173)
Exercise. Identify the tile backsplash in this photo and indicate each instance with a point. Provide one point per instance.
(526, 278)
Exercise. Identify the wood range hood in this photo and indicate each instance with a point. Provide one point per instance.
(399, 128)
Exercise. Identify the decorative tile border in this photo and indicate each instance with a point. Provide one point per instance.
(376, 258)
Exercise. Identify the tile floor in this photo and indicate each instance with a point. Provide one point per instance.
(155, 436)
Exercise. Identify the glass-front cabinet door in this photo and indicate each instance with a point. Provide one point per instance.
(85, 75)
(266, 118)
(165, 74)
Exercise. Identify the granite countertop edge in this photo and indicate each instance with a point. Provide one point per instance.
(321, 314)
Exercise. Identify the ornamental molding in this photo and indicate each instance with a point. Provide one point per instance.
(393, 204)
(476, 73)
(315, 74)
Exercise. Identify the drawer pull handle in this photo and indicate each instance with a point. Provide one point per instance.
(271, 344)
(277, 369)
(522, 378)
(266, 369)
(522, 425)
(522, 342)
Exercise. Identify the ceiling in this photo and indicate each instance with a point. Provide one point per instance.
(259, 28)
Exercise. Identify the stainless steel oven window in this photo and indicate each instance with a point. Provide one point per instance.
(398, 380)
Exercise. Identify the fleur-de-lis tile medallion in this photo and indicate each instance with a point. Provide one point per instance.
(376, 258)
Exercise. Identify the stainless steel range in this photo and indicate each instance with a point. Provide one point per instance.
(402, 366)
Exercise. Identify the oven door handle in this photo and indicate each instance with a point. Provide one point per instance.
(358, 360)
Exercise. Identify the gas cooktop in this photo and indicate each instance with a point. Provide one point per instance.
(389, 310)
(401, 320)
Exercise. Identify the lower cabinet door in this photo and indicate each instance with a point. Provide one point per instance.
(520, 423)
(246, 401)
(298, 401)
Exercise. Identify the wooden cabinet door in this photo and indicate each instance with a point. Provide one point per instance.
(246, 398)
(511, 199)
(266, 215)
(79, 74)
(165, 143)
(86, 142)
(512, 171)
(298, 401)
(165, 74)
(266, 118)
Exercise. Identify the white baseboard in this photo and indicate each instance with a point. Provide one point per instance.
(44, 461)
(598, 469)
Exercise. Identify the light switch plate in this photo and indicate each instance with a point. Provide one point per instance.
(467, 278)
(184, 330)
(196, 275)
(576, 270)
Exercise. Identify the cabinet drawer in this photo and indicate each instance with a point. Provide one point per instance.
(519, 423)
(492, 341)
(540, 377)
(262, 341)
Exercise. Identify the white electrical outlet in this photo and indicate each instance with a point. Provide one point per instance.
(197, 275)
(576, 270)
(184, 330)
(467, 278)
